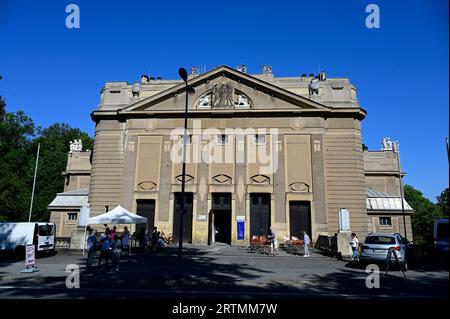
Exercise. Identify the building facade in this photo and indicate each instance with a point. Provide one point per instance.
(261, 151)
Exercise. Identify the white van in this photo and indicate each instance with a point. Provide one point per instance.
(15, 236)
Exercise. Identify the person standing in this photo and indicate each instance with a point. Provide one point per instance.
(306, 241)
(104, 252)
(273, 242)
(354, 243)
(155, 237)
(91, 242)
(142, 239)
(126, 240)
(116, 250)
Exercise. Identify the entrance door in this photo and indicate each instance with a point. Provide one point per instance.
(300, 218)
(146, 208)
(187, 218)
(259, 214)
(221, 219)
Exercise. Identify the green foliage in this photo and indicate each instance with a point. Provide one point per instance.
(18, 147)
(425, 212)
(443, 202)
(16, 131)
(52, 161)
(2, 109)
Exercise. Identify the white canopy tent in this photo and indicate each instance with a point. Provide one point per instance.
(118, 215)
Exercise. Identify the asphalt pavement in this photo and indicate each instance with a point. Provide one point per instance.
(217, 271)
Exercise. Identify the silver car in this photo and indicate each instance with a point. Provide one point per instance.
(376, 246)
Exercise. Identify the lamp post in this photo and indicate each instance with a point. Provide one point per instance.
(396, 149)
(183, 74)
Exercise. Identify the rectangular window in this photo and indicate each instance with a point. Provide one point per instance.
(72, 216)
(222, 139)
(260, 139)
(385, 221)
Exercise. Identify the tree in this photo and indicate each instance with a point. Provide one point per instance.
(2, 109)
(443, 202)
(16, 133)
(54, 142)
(425, 212)
(18, 146)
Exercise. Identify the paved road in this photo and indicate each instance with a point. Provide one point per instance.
(218, 272)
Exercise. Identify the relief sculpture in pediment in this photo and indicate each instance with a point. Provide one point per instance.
(223, 95)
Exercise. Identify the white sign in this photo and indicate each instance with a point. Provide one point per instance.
(344, 219)
(85, 213)
(29, 257)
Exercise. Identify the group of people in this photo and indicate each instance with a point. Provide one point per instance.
(155, 240)
(274, 242)
(111, 245)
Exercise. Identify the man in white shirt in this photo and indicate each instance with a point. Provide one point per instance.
(307, 241)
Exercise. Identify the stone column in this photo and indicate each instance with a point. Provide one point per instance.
(318, 178)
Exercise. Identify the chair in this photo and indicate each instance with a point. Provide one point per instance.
(254, 243)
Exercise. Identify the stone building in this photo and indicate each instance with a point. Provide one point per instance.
(261, 150)
(65, 207)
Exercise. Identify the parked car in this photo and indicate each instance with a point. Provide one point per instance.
(376, 246)
(441, 235)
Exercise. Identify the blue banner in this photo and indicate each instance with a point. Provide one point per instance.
(240, 230)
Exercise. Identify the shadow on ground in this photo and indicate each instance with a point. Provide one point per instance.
(155, 276)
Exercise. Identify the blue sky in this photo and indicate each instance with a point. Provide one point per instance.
(401, 70)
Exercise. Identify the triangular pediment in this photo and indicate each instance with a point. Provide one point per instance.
(224, 88)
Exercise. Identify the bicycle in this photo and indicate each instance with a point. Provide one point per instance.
(167, 239)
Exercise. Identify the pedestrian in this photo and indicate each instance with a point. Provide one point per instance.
(116, 250)
(273, 241)
(354, 243)
(155, 237)
(306, 241)
(105, 235)
(113, 233)
(104, 252)
(142, 239)
(91, 242)
(126, 240)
